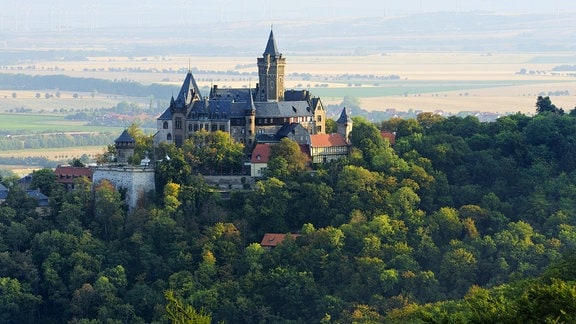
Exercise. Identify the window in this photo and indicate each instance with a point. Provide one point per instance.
(195, 127)
(214, 127)
(165, 125)
(222, 128)
(319, 118)
(189, 127)
(169, 137)
(319, 129)
(178, 123)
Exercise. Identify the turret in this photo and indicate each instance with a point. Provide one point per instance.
(125, 145)
(344, 124)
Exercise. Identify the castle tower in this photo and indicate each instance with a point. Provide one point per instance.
(125, 145)
(344, 124)
(271, 73)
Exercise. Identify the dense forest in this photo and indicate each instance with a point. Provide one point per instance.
(458, 221)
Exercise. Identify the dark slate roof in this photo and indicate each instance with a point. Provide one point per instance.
(296, 95)
(282, 109)
(188, 91)
(271, 48)
(294, 128)
(217, 109)
(40, 197)
(267, 138)
(166, 115)
(125, 137)
(236, 94)
(344, 117)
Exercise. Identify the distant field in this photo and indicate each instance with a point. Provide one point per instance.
(56, 154)
(447, 82)
(38, 123)
(451, 82)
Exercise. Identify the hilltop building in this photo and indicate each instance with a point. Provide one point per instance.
(245, 113)
(257, 117)
(137, 180)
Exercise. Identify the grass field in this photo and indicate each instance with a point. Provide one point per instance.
(42, 123)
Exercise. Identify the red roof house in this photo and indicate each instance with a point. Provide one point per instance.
(328, 147)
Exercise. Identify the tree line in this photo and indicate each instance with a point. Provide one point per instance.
(458, 221)
(67, 83)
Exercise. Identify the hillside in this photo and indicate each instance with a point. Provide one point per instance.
(454, 205)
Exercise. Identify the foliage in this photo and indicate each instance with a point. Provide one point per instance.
(459, 221)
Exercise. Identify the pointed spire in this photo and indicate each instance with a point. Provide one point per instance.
(271, 48)
(344, 117)
(188, 90)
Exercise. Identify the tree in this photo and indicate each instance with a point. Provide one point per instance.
(286, 159)
(17, 304)
(178, 312)
(544, 104)
(108, 211)
(331, 126)
(44, 180)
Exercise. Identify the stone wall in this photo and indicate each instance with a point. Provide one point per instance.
(136, 180)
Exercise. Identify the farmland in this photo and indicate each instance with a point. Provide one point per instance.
(447, 83)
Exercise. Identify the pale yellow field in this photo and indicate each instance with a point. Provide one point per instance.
(409, 66)
(55, 154)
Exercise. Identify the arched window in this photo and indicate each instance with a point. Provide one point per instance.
(165, 125)
(169, 137)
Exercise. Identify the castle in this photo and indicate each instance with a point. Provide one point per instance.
(245, 113)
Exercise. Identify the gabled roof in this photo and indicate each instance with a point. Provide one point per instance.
(188, 90)
(125, 137)
(273, 239)
(327, 140)
(271, 48)
(261, 153)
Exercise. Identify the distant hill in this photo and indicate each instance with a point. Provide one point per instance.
(450, 31)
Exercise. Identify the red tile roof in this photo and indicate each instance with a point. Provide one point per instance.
(327, 140)
(67, 174)
(273, 239)
(390, 136)
(261, 153)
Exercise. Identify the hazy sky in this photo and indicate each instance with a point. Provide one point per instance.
(55, 14)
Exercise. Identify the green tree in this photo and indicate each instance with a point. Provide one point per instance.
(17, 304)
(108, 212)
(177, 312)
(544, 104)
(286, 159)
(44, 180)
